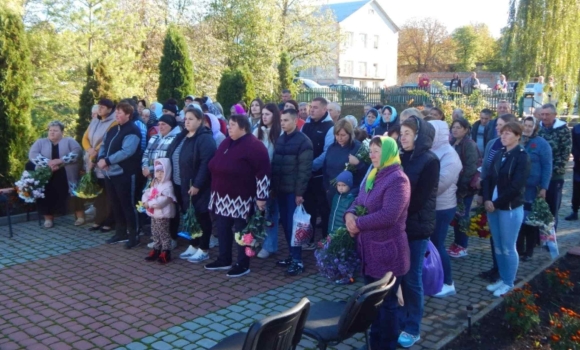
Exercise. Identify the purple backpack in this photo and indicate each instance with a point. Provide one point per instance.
(432, 271)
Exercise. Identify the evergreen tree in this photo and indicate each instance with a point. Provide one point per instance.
(175, 68)
(15, 97)
(98, 86)
(235, 85)
(285, 72)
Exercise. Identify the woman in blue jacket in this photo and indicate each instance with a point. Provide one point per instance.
(537, 183)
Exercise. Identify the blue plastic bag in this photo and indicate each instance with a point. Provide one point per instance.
(432, 271)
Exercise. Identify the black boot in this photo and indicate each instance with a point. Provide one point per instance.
(153, 255)
(133, 241)
(573, 216)
(164, 257)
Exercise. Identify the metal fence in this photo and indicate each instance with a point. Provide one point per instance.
(401, 96)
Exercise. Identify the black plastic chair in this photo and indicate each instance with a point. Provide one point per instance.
(331, 322)
(278, 332)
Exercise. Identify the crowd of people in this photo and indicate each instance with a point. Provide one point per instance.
(424, 172)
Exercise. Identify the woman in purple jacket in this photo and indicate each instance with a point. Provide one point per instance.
(382, 241)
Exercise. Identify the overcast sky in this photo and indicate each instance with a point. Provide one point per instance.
(452, 13)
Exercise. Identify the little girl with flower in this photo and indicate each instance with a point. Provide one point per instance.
(159, 203)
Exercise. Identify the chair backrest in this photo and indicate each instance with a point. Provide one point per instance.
(362, 308)
(278, 332)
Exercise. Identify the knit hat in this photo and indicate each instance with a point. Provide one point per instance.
(389, 156)
(106, 102)
(239, 109)
(169, 120)
(345, 177)
(170, 107)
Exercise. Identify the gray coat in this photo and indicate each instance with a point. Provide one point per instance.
(69, 151)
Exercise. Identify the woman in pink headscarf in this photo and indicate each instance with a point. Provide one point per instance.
(237, 109)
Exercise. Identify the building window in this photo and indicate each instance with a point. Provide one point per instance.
(362, 69)
(376, 70)
(348, 39)
(348, 68)
(376, 42)
(363, 40)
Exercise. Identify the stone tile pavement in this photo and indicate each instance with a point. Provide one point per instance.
(64, 289)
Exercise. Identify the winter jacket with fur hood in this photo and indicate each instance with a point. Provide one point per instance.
(159, 196)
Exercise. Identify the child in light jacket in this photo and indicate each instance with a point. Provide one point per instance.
(341, 201)
(159, 202)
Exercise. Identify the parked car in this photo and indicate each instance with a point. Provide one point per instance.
(347, 91)
(529, 89)
(513, 85)
(309, 89)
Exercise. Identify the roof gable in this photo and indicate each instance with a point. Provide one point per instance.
(345, 9)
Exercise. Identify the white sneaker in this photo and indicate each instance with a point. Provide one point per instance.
(151, 245)
(502, 290)
(263, 254)
(214, 241)
(91, 211)
(188, 253)
(495, 286)
(447, 290)
(198, 257)
(173, 244)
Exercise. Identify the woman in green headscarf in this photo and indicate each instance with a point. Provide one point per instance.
(382, 241)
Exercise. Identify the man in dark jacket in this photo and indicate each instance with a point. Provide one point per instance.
(503, 107)
(556, 132)
(120, 160)
(291, 170)
(576, 177)
(478, 129)
(319, 128)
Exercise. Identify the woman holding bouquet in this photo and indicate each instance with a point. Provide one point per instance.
(380, 233)
(537, 183)
(62, 155)
(503, 195)
(343, 151)
(92, 141)
(190, 153)
(240, 180)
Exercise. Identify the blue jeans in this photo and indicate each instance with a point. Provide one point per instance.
(411, 314)
(271, 241)
(460, 236)
(287, 206)
(442, 220)
(504, 226)
(385, 328)
(554, 198)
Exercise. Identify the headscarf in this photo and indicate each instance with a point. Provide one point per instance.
(239, 109)
(525, 139)
(214, 125)
(158, 108)
(213, 109)
(393, 113)
(369, 128)
(152, 119)
(389, 156)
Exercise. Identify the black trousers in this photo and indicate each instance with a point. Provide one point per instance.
(527, 239)
(204, 221)
(575, 196)
(226, 239)
(104, 216)
(180, 209)
(316, 204)
(121, 192)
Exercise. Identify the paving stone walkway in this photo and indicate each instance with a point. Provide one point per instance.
(63, 288)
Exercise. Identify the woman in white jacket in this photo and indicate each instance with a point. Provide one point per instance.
(446, 198)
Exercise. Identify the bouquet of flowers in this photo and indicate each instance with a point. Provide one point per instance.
(541, 216)
(363, 155)
(461, 220)
(31, 184)
(191, 228)
(336, 256)
(140, 207)
(253, 235)
(478, 225)
(87, 186)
